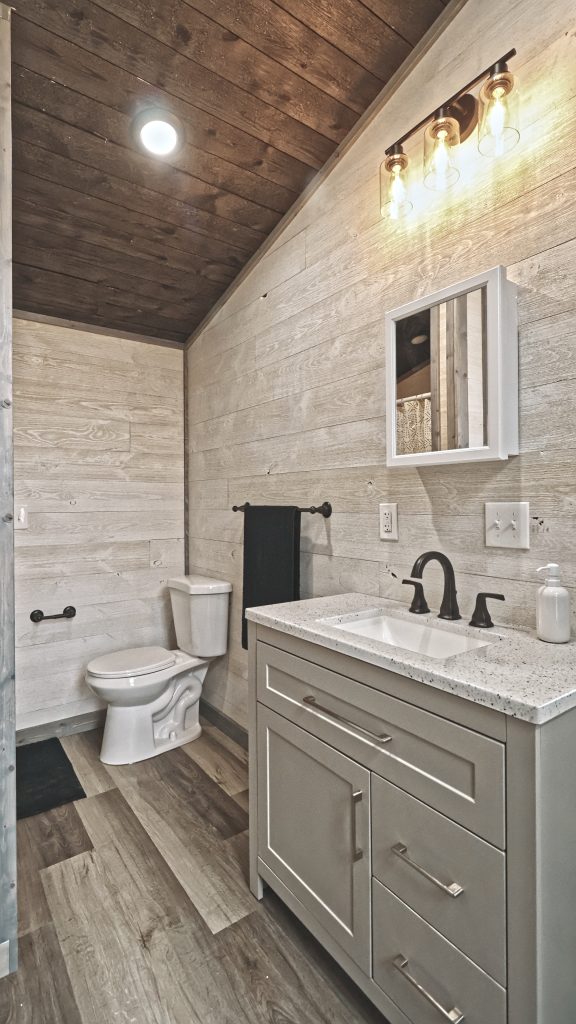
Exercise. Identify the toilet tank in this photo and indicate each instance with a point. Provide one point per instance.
(200, 612)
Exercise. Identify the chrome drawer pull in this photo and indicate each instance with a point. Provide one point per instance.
(356, 798)
(455, 1016)
(312, 702)
(452, 889)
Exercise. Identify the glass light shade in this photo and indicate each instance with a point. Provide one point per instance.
(394, 200)
(441, 141)
(498, 130)
(159, 137)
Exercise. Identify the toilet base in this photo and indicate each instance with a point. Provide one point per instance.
(137, 732)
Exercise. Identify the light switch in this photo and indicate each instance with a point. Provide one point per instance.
(21, 518)
(508, 524)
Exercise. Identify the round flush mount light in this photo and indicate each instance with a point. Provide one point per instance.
(158, 132)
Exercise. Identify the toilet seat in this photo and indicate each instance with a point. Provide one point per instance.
(135, 661)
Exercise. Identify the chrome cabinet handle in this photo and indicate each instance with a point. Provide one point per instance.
(312, 702)
(455, 1016)
(451, 889)
(356, 798)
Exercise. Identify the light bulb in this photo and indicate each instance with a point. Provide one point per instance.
(394, 200)
(158, 131)
(498, 133)
(441, 140)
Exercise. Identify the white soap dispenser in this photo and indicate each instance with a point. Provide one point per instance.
(553, 608)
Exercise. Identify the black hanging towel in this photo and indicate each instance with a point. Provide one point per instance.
(271, 557)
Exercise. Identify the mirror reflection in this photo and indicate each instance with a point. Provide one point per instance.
(441, 376)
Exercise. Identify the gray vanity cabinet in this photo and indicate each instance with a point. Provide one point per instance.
(427, 841)
(314, 829)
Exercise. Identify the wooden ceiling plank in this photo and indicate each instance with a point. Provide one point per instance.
(41, 93)
(217, 212)
(127, 302)
(201, 40)
(167, 214)
(93, 297)
(151, 273)
(290, 42)
(410, 18)
(45, 305)
(95, 30)
(91, 76)
(48, 209)
(35, 249)
(153, 298)
(355, 30)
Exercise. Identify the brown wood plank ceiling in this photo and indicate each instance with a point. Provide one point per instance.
(110, 236)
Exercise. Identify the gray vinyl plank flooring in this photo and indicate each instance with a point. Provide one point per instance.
(135, 907)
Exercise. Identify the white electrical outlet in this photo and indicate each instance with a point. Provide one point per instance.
(389, 521)
(508, 524)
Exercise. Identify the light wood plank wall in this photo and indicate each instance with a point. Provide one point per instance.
(99, 461)
(286, 383)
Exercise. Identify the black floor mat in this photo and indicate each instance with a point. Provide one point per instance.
(44, 778)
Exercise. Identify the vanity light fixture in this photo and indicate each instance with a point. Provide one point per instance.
(498, 132)
(441, 139)
(449, 125)
(158, 131)
(393, 192)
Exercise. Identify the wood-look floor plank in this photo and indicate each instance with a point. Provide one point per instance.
(219, 762)
(83, 750)
(242, 799)
(108, 966)
(187, 816)
(43, 840)
(146, 909)
(40, 991)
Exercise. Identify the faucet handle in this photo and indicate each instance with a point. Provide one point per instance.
(481, 615)
(419, 605)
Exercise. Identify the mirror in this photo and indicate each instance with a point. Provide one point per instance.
(440, 376)
(447, 357)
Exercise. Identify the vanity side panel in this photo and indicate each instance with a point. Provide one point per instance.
(556, 846)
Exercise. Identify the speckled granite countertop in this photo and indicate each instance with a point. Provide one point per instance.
(515, 673)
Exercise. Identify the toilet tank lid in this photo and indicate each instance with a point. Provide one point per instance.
(200, 585)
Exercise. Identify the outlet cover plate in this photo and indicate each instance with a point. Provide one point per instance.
(508, 524)
(389, 521)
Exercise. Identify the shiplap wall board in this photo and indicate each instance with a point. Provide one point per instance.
(99, 463)
(286, 381)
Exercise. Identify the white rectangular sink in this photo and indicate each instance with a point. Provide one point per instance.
(411, 636)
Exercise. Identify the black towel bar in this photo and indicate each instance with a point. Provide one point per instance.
(325, 509)
(38, 616)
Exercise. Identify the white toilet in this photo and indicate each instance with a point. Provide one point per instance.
(153, 694)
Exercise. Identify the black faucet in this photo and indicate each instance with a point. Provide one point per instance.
(449, 608)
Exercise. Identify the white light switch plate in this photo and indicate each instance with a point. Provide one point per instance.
(389, 521)
(21, 518)
(508, 524)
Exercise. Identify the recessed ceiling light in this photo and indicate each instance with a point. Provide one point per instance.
(158, 131)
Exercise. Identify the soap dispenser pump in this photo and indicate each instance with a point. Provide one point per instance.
(553, 608)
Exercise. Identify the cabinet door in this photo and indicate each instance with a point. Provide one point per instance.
(314, 829)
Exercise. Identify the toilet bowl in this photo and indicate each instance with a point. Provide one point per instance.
(153, 694)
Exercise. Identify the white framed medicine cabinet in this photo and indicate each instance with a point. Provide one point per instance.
(452, 374)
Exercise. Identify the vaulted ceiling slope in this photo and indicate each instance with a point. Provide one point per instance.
(266, 90)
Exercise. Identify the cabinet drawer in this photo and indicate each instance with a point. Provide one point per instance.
(407, 836)
(409, 952)
(455, 770)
